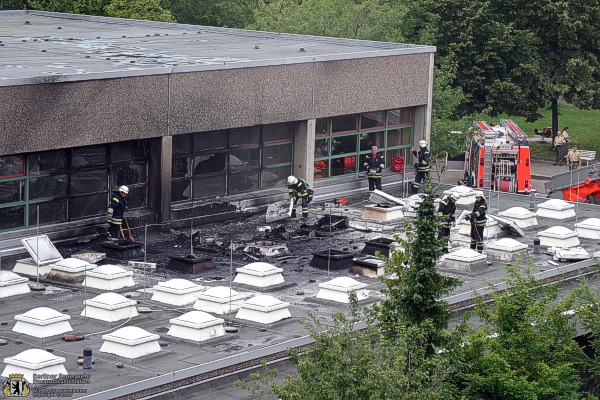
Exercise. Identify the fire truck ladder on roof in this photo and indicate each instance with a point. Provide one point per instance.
(569, 179)
(513, 130)
(488, 157)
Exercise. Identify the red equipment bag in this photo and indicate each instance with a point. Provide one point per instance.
(398, 164)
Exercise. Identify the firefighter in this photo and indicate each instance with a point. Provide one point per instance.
(298, 189)
(374, 165)
(116, 212)
(422, 167)
(478, 221)
(446, 211)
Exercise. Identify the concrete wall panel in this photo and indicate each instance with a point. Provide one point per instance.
(203, 101)
(60, 115)
(371, 84)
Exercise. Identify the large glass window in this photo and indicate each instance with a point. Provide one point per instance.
(70, 184)
(344, 123)
(351, 138)
(12, 166)
(232, 161)
(372, 120)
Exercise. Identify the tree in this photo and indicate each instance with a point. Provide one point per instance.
(514, 56)
(139, 9)
(225, 13)
(88, 7)
(12, 4)
(588, 316)
(444, 121)
(525, 349)
(412, 297)
(354, 19)
(350, 364)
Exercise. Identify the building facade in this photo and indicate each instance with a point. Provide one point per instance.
(188, 116)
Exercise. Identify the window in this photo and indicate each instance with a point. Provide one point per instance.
(232, 161)
(345, 123)
(69, 184)
(351, 138)
(402, 116)
(87, 156)
(322, 126)
(370, 139)
(244, 136)
(210, 140)
(372, 120)
(12, 166)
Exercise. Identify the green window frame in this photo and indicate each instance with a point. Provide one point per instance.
(392, 131)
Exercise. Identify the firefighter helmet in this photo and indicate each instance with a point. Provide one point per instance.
(479, 193)
(292, 180)
(454, 196)
(422, 143)
(124, 189)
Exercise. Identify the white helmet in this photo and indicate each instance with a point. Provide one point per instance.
(292, 180)
(455, 196)
(124, 189)
(422, 143)
(479, 193)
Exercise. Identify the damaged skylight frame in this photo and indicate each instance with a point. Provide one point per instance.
(41, 250)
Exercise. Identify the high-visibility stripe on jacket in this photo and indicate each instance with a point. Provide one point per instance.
(423, 159)
(446, 211)
(479, 212)
(374, 165)
(299, 189)
(116, 209)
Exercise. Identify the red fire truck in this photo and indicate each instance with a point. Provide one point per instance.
(498, 158)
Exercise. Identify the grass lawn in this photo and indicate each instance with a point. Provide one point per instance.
(584, 129)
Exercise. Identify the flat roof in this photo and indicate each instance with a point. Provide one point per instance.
(181, 359)
(45, 47)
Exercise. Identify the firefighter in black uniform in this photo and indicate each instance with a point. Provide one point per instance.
(446, 211)
(116, 211)
(422, 167)
(374, 165)
(478, 221)
(298, 189)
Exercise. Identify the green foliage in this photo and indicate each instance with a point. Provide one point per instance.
(446, 100)
(224, 13)
(525, 349)
(513, 56)
(583, 129)
(135, 9)
(139, 9)
(588, 313)
(12, 4)
(350, 364)
(354, 19)
(89, 7)
(411, 298)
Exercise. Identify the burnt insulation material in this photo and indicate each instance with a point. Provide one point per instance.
(336, 221)
(382, 245)
(335, 259)
(123, 250)
(190, 264)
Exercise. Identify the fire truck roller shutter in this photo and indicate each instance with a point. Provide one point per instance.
(504, 185)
